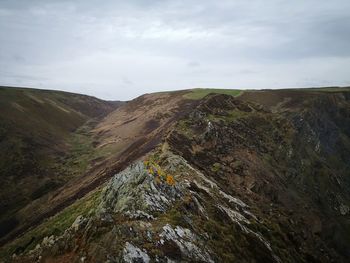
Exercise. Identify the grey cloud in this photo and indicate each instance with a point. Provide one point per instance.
(156, 45)
(193, 64)
(127, 81)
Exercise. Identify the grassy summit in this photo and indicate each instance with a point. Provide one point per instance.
(197, 94)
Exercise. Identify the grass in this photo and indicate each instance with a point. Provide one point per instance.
(35, 127)
(55, 225)
(80, 154)
(184, 127)
(197, 94)
(329, 89)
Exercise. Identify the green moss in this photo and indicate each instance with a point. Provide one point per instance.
(216, 167)
(183, 126)
(196, 94)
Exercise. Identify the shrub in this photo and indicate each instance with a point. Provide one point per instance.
(159, 174)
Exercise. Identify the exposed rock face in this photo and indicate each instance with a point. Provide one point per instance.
(186, 241)
(132, 254)
(135, 193)
(291, 161)
(79, 223)
(141, 219)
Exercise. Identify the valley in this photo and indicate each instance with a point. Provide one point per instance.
(202, 175)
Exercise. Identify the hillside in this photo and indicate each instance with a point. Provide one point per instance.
(38, 132)
(201, 176)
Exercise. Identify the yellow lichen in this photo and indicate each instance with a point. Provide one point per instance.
(170, 180)
(159, 174)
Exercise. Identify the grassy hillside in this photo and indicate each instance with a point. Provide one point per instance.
(36, 133)
(196, 94)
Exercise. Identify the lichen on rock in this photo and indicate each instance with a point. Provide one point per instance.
(135, 193)
(187, 242)
(132, 254)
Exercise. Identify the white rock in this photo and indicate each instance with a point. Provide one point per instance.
(134, 193)
(78, 222)
(134, 254)
(187, 243)
(344, 209)
(232, 199)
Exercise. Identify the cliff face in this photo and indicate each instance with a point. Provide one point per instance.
(249, 179)
(292, 164)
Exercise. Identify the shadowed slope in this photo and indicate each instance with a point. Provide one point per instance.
(124, 135)
(36, 128)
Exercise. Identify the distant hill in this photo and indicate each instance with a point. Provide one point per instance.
(36, 128)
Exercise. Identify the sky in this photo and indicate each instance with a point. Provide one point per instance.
(118, 50)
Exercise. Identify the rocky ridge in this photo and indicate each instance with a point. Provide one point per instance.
(154, 229)
(232, 181)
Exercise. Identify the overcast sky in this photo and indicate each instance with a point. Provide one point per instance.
(121, 49)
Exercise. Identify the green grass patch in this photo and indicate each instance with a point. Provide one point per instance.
(184, 127)
(329, 89)
(197, 94)
(215, 167)
(55, 225)
(82, 153)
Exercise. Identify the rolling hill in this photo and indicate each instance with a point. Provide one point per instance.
(187, 176)
(38, 132)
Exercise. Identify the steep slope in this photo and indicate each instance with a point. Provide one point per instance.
(105, 148)
(36, 133)
(291, 163)
(263, 177)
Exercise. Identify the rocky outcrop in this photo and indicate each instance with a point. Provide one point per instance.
(135, 193)
(132, 254)
(186, 241)
(142, 219)
(290, 159)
